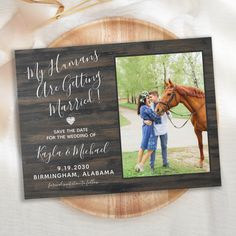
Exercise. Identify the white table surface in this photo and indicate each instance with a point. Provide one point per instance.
(205, 211)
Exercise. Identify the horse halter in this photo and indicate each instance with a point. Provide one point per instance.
(170, 99)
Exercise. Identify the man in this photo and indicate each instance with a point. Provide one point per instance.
(160, 131)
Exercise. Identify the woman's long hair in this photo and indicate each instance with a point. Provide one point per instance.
(141, 102)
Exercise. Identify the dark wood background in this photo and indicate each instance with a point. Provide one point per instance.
(104, 119)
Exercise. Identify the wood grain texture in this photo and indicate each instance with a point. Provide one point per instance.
(115, 30)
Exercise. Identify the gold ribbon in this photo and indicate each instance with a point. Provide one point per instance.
(50, 2)
(61, 12)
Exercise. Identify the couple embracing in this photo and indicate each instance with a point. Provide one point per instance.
(154, 126)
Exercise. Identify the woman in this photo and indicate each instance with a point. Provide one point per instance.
(149, 141)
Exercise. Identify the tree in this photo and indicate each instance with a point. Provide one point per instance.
(134, 75)
(138, 73)
(193, 68)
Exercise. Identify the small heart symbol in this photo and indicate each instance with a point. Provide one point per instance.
(70, 120)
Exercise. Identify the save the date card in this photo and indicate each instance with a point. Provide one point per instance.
(117, 118)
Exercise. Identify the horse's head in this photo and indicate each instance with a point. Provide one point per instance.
(169, 99)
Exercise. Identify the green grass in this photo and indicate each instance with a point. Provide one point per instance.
(180, 109)
(123, 121)
(128, 105)
(177, 165)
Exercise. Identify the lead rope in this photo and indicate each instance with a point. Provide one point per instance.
(179, 127)
(190, 115)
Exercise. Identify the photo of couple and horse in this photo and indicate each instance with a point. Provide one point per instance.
(161, 113)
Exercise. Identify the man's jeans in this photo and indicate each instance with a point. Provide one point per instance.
(163, 139)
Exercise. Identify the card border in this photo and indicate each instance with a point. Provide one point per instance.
(195, 180)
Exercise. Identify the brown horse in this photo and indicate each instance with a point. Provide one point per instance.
(194, 100)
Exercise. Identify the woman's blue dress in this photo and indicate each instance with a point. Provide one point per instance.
(149, 140)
